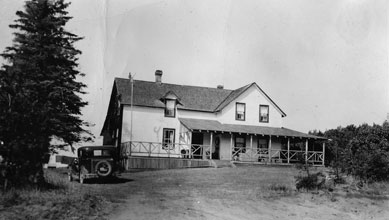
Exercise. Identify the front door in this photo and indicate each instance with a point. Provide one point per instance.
(216, 145)
(197, 142)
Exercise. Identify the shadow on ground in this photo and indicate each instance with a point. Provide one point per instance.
(117, 180)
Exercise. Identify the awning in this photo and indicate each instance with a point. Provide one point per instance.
(216, 126)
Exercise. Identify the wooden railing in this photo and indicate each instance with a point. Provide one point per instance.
(157, 149)
(196, 151)
(277, 156)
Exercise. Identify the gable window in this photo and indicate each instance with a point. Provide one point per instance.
(263, 113)
(168, 138)
(170, 108)
(240, 111)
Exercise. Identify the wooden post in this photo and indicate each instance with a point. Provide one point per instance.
(269, 149)
(190, 145)
(324, 152)
(288, 150)
(130, 147)
(231, 147)
(210, 146)
(306, 151)
(251, 148)
(150, 149)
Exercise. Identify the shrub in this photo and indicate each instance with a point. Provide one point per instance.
(361, 151)
(310, 182)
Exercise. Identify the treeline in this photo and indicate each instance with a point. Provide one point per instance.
(361, 151)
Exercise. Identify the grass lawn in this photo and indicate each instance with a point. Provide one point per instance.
(244, 192)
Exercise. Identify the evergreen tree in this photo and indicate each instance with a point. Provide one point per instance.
(39, 92)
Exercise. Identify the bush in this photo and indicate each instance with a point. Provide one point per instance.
(361, 151)
(310, 182)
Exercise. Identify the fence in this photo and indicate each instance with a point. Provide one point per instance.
(157, 149)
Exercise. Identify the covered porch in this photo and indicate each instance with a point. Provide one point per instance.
(252, 144)
(200, 139)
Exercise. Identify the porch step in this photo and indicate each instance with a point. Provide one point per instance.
(222, 163)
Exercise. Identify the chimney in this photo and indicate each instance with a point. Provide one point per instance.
(220, 87)
(158, 76)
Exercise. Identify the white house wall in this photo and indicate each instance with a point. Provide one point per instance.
(148, 124)
(252, 98)
(225, 146)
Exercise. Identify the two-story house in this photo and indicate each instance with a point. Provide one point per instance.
(157, 119)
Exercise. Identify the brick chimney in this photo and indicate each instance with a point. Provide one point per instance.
(220, 87)
(158, 76)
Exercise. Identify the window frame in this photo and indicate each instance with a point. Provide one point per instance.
(244, 143)
(236, 111)
(165, 145)
(166, 109)
(268, 114)
(260, 149)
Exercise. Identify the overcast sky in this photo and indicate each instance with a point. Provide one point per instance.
(325, 63)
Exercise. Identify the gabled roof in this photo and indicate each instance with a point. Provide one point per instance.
(213, 125)
(236, 93)
(191, 97)
(196, 98)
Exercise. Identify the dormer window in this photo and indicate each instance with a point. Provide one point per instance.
(171, 100)
(263, 113)
(240, 113)
(170, 108)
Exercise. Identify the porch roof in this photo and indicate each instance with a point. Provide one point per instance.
(213, 125)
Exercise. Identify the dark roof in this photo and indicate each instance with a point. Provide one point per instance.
(150, 94)
(197, 98)
(213, 125)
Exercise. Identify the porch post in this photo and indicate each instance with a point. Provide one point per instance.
(288, 150)
(306, 151)
(251, 146)
(210, 146)
(324, 152)
(251, 141)
(269, 150)
(231, 145)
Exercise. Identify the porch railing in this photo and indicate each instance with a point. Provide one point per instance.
(277, 156)
(196, 151)
(158, 149)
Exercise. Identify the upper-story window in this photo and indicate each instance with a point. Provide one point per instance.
(170, 108)
(240, 113)
(263, 113)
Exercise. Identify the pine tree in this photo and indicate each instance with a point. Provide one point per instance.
(39, 91)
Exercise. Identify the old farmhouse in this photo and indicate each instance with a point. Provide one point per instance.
(162, 120)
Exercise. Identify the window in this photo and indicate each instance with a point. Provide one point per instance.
(168, 139)
(263, 113)
(240, 144)
(263, 146)
(170, 108)
(240, 111)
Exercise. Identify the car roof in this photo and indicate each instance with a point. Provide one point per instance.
(108, 147)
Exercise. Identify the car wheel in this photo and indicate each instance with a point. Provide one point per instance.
(103, 168)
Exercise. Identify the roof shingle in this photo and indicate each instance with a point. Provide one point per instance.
(191, 97)
(213, 125)
(196, 98)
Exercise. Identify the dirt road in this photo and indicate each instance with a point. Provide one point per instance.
(231, 193)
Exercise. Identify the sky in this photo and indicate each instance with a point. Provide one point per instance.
(325, 63)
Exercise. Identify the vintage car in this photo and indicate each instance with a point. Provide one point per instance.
(94, 162)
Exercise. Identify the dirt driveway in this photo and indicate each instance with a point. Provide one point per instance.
(231, 193)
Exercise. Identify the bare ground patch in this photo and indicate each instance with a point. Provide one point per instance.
(249, 192)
